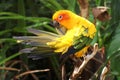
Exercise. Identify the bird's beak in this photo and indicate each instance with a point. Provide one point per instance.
(56, 24)
(60, 29)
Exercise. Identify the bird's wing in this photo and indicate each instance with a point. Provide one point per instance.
(37, 43)
(41, 38)
(81, 42)
(38, 52)
(34, 40)
(85, 34)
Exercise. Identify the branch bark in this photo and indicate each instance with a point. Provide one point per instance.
(84, 6)
(78, 69)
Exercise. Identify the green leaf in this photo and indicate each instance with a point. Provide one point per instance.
(115, 41)
(4, 32)
(10, 15)
(9, 58)
(52, 4)
(11, 40)
(115, 64)
(71, 4)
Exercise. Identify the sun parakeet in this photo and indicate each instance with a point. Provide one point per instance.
(75, 31)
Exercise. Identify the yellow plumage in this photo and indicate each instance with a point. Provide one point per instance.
(76, 27)
(79, 33)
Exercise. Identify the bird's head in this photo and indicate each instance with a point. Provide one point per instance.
(64, 18)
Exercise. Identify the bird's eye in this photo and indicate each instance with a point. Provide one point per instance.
(60, 17)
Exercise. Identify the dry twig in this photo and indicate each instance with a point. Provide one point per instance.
(29, 72)
(84, 8)
(63, 72)
(105, 71)
(15, 62)
(78, 69)
(9, 68)
(103, 74)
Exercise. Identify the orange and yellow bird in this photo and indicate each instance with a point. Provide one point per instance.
(74, 31)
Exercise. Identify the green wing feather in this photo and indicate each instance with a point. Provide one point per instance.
(81, 41)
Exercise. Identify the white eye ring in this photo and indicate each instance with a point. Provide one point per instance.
(60, 17)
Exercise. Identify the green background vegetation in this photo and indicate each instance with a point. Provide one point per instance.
(17, 15)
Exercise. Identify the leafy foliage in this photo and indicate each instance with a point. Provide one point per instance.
(17, 15)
